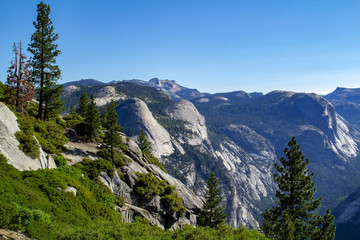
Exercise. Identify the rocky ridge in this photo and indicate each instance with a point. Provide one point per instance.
(241, 135)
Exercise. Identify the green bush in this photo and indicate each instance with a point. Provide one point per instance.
(153, 160)
(104, 152)
(147, 186)
(50, 135)
(73, 119)
(93, 168)
(60, 161)
(25, 136)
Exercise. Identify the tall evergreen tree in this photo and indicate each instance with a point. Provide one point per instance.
(294, 216)
(44, 50)
(112, 136)
(19, 79)
(212, 213)
(83, 105)
(93, 122)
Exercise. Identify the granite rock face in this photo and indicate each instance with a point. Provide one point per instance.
(9, 145)
(135, 115)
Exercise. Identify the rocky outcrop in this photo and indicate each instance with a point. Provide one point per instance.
(153, 209)
(134, 115)
(106, 94)
(9, 145)
(171, 88)
(194, 122)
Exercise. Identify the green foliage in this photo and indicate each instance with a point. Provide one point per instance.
(35, 201)
(53, 103)
(50, 136)
(173, 202)
(45, 71)
(93, 168)
(143, 143)
(2, 91)
(294, 215)
(117, 159)
(212, 213)
(145, 147)
(93, 123)
(112, 137)
(28, 143)
(73, 119)
(83, 105)
(147, 186)
(60, 161)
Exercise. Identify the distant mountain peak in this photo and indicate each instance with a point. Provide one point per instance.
(84, 82)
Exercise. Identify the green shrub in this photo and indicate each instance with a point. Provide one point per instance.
(25, 136)
(60, 161)
(104, 152)
(148, 186)
(153, 160)
(93, 168)
(73, 119)
(50, 135)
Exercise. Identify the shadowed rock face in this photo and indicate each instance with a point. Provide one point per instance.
(135, 115)
(347, 217)
(9, 145)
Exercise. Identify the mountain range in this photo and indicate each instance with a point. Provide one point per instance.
(240, 136)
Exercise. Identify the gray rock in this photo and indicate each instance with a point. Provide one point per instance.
(129, 212)
(194, 122)
(117, 186)
(9, 145)
(134, 115)
(71, 190)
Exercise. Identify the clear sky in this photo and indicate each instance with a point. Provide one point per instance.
(211, 45)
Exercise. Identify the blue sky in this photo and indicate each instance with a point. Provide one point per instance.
(211, 45)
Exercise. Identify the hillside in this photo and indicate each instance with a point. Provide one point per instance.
(240, 136)
(78, 201)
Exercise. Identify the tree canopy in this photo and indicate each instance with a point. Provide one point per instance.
(295, 214)
(212, 213)
(45, 71)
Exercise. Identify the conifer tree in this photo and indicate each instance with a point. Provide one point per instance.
(93, 122)
(44, 50)
(83, 105)
(113, 129)
(294, 216)
(143, 143)
(19, 79)
(212, 213)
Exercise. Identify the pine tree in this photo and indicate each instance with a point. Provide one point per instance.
(212, 213)
(113, 129)
(296, 207)
(44, 50)
(93, 122)
(83, 105)
(143, 143)
(19, 79)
